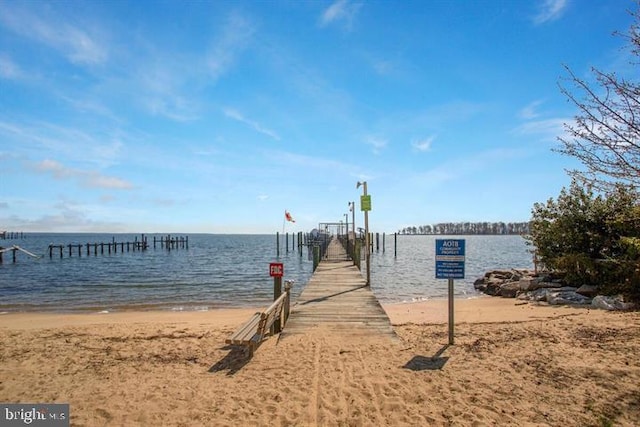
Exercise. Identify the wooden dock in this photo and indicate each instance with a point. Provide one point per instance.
(337, 299)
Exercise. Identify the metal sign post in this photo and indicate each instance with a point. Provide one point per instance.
(450, 258)
(365, 206)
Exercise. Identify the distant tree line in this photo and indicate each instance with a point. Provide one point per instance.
(468, 228)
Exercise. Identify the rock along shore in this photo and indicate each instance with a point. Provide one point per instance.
(545, 288)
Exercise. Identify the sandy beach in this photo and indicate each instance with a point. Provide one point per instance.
(512, 364)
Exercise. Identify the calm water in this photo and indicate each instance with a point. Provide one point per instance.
(219, 271)
(411, 275)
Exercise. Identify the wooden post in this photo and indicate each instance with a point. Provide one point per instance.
(13, 252)
(395, 244)
(316, 256)
(300, 243)
(50, 251)
(69, 249)
(277, 291)
(1, 248)
(377, 242)
(277, 243)
(287, 301)
(286, 242)
(383, 241)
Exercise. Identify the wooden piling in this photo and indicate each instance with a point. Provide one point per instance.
(395, 244)
(287, 301)
(276, 328)
(316, 256)
(168, 242)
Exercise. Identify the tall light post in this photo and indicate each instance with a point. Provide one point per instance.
(352, 209)
(366, 229)
(346, 217)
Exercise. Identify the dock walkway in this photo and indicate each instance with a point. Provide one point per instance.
(337, 299)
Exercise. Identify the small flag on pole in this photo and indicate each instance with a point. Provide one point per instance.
(288, 217)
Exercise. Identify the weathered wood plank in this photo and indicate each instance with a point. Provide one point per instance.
(337, 299)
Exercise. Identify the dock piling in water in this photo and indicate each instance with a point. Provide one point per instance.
(168, 242)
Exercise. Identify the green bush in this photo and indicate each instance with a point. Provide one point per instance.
(592, 239)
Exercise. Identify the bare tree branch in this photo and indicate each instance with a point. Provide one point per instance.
(605, 135)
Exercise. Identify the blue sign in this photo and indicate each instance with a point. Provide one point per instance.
(450, 258)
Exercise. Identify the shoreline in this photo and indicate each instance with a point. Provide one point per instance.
(481, 309)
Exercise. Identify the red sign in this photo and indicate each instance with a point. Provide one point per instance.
(276, 269)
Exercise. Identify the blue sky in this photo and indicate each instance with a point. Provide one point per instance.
(175, 116)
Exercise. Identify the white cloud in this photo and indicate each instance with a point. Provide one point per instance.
(529, 111)
(310, 162)
(91, 179)
(47, 139)
(235, 115)
(550, 10)
(172, 106)
(9, 70)
(549, 129)
(459, 169)
(235, 36)
(96, 180)
(339, 11)
(424, 144)
(167, 81)
(65, 215)
(78, 45)
(377, 143)
(383, 67)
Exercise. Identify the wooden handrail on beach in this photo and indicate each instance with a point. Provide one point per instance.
(251, 334)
